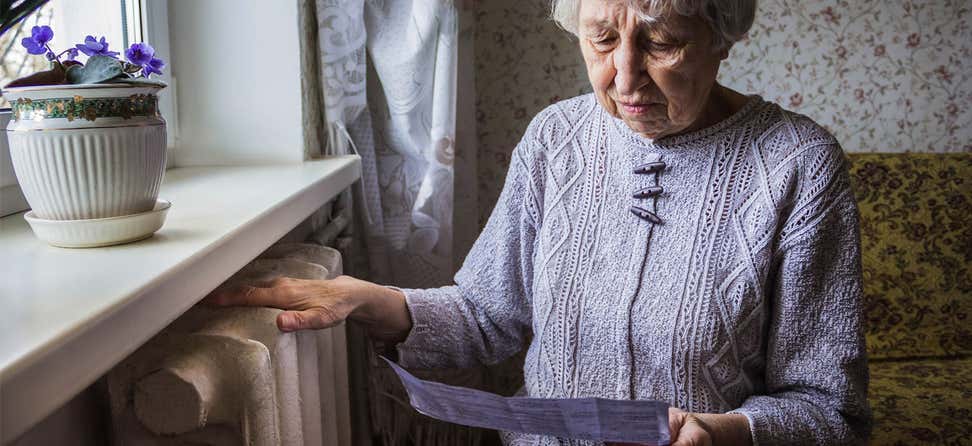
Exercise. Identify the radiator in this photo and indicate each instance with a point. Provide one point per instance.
(227, 376)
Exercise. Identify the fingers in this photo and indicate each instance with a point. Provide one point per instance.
(311, 319)
(687, 429)
(277, 293)
(675, 419)
(308, 304)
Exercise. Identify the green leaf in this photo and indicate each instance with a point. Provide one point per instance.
(138, 81)
(98, 69)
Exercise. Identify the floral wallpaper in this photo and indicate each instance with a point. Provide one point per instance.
(523, 62)
(882, 76)
(892, 76)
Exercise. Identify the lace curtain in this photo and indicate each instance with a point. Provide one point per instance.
(389, 73)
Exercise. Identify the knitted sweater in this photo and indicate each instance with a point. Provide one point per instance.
(732, 285)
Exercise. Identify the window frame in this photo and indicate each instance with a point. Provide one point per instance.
(154, 30)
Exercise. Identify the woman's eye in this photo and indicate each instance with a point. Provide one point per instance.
(603, 43)
(664, 47)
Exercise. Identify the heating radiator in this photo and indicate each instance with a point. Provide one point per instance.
(228, 376)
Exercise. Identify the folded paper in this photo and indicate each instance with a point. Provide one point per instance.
(598, 419)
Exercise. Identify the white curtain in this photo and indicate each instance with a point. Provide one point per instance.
(389, 77)
(390, 74)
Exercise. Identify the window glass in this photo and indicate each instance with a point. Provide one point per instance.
(71, 21)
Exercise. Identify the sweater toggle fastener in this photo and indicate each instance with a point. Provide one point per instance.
(646, 214)
(649, 167)
(648, 192)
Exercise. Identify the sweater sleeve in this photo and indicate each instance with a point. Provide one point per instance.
(816, 373)
(485, 317)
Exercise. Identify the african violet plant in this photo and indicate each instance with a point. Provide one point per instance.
(101, 67)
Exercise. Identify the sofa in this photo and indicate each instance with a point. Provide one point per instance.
(916, 235)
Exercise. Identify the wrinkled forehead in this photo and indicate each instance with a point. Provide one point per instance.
(647, 14)
(603, 12)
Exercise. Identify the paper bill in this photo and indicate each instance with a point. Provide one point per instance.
(626, 421)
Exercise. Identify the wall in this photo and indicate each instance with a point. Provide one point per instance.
(82, 421)
(238, 89)
(888, 76)
(882, 76)
(524, 62)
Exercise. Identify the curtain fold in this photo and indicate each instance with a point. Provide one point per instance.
(312, 110)
(395, 77)
(389, 81)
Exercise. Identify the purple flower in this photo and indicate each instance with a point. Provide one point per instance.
(140, 54)
(92, 47)
(143, 55)
(154, 66)
(37, 42)
(72, 53)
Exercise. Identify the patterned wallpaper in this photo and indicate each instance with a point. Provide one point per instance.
(524, 62)
(881, 75)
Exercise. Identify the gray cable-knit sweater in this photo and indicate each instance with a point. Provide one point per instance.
(718, 271)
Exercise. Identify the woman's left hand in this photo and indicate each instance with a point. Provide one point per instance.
(688, 429)
(705, 429)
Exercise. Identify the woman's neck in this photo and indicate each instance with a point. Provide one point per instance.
(722, 103)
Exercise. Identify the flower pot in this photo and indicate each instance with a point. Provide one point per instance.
(87, 151)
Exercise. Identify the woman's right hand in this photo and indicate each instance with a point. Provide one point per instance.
(317, 304)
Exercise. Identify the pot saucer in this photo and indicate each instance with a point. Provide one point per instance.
(96, 232)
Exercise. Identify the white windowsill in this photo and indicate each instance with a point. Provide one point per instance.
(68, 315)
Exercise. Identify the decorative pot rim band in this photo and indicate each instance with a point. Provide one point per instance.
(62, 129)
(78, 107)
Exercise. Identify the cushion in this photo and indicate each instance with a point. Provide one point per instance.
(921, 402)
(916, 237)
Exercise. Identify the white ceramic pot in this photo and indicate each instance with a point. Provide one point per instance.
(87, 151)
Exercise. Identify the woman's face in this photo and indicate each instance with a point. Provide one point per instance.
(656, 77)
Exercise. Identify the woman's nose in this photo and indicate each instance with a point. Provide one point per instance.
(631, 73)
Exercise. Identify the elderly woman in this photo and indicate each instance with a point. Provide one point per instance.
(663, 238)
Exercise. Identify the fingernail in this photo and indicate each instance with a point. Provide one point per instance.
(287, 323)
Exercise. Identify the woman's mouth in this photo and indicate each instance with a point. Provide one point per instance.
(637, 108)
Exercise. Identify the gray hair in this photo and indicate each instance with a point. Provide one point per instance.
(729, 20)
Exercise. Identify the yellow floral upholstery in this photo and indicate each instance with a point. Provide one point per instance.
(922, 402)
(916, 236)
(917, 252)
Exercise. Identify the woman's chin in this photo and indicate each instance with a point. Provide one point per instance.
(646, 129)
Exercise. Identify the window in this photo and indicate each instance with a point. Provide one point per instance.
(119, 21)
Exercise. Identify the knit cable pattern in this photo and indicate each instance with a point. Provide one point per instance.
(743, 295)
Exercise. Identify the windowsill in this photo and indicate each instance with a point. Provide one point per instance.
(68, 315)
